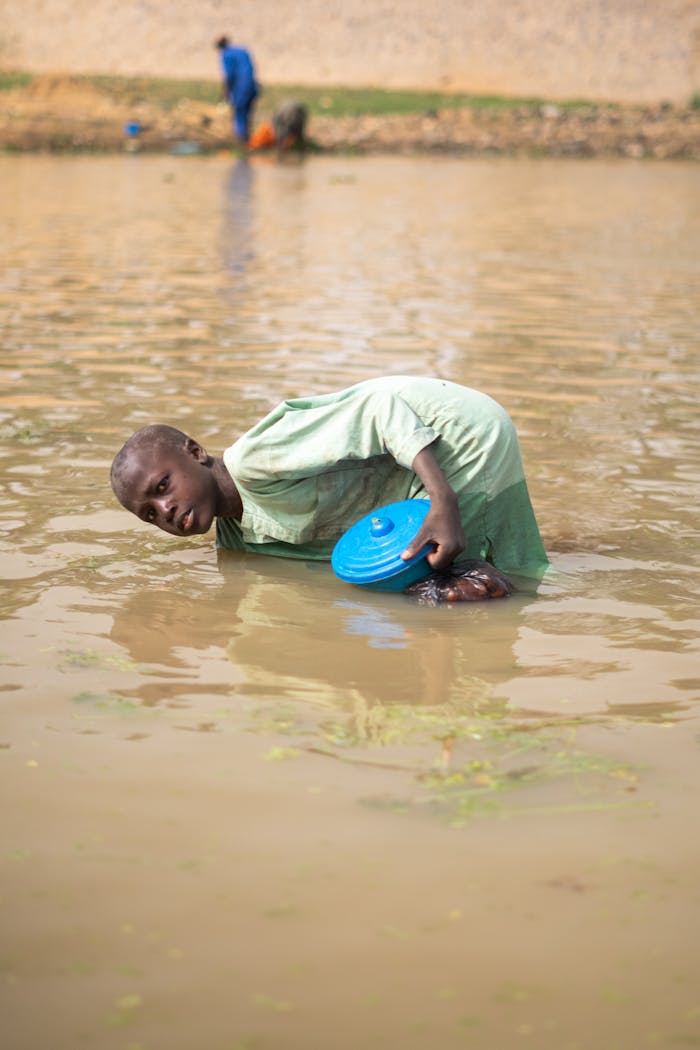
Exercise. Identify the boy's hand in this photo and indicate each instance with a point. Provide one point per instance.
(443, 528)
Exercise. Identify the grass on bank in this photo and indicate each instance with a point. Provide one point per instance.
(321, 101)
(10, 81)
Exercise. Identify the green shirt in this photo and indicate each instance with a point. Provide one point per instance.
(316, 465)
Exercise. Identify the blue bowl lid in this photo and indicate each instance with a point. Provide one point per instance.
(371, 549)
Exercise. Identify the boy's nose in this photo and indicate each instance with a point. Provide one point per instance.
(167, 508)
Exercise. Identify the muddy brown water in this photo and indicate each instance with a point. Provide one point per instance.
(247, 806)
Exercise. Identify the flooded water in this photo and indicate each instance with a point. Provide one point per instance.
(248, 807)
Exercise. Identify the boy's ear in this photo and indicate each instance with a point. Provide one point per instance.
(194, 449)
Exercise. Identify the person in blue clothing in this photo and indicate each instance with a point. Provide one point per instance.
(239, 85)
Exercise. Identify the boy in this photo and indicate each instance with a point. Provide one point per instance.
(296, 481)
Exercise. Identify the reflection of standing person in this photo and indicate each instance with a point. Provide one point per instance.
(239, 84)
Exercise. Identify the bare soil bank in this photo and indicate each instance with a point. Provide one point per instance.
(71, 114)
(643, 51)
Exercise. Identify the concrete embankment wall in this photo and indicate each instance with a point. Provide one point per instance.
(626, 50)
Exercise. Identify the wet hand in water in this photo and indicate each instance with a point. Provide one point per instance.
(465, 581)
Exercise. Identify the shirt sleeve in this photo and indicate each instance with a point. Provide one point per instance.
(308, 436)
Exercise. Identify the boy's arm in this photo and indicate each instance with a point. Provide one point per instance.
(442, 525)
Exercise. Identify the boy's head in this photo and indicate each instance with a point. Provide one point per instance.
(166, 479)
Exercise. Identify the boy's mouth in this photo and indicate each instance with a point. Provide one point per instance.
(187, 520)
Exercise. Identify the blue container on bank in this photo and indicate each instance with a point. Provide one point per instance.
(369, 553)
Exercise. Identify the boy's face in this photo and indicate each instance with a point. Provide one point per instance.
(173, 489)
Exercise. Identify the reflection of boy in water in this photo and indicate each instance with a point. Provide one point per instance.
(291, 633)
(295, 482)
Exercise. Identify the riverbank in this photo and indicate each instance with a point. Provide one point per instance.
(53, 113)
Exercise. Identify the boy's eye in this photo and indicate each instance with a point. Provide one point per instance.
(150, 514)
(162, 484)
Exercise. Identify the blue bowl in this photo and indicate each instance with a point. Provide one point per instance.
(415, 570)
(369, 553)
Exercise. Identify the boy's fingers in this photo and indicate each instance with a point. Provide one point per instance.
(409, 553)
(417, 543)
(438, 560)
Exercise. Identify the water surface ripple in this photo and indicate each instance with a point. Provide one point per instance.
(235, 772)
